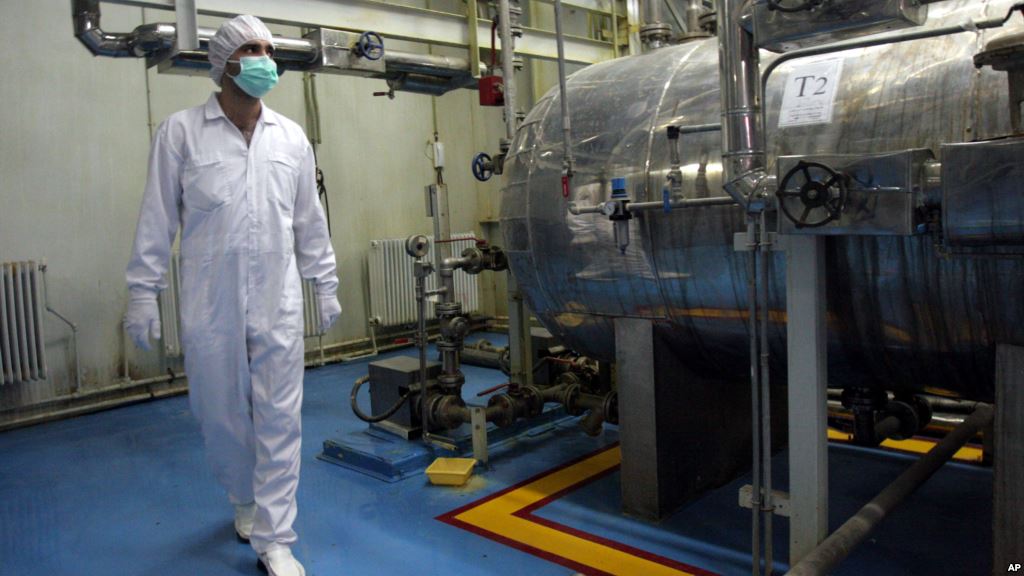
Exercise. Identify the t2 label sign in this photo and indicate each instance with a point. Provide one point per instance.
(810, 93)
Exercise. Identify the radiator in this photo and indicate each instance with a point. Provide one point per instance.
(393, 286)
(170, 310)
(22, 345)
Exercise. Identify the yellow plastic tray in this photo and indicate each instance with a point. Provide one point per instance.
(450, 471)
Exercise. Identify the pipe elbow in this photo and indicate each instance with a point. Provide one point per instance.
(749, 189)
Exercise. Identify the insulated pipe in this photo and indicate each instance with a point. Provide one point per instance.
(508, 49)
(743, 153)
(568, 163)
(86, 15)
(827, 556)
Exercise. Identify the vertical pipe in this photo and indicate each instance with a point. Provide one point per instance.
(767, 506)
(742, 144)
(755, 398)
(508, 48)
(188, 32)
(568, 164)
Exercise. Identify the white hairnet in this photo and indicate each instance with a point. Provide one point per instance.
(231, 36)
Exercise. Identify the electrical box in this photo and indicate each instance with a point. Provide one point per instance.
(389, 380)
(783, 25)
(492, 91)
(854, 194)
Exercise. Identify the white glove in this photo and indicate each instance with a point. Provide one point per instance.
(143, 318)
(330, 309)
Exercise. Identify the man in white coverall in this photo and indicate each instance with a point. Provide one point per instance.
(240, 180)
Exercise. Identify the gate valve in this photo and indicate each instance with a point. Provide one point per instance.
(483, 167)
(370, 46)
(824, 196)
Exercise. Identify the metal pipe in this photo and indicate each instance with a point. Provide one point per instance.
(74, 330)
(755, 399)
(86, 15)
(568, 163)
(764, 247)
(508, 49)
(827, 556)
(679, 203)
(743, 152)
(185, 19)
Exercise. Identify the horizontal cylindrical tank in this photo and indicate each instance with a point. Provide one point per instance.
(903, 314)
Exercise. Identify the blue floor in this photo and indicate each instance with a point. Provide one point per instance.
(127, 492)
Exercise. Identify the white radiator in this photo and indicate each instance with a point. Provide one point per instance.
(393, 286)
(170, 311)
(22, 345)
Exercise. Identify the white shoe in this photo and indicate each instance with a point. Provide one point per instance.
(280, 562)
(245, 515)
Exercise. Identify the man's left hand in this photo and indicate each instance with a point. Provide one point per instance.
(330, 309)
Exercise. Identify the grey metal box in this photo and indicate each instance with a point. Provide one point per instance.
(391, 378)
(831, 21)
(983, 193)
(884, 194)
(335, 52)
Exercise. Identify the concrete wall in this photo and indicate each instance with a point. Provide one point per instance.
(76, 133)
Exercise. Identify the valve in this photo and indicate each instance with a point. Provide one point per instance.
(617, 210)
(483, 167)
(370, 46)
(825, 197)
(417, 246)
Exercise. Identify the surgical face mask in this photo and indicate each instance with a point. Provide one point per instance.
(257, 76)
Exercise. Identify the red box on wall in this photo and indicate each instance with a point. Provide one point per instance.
(492, 91)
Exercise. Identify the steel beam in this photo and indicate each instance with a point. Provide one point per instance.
(393, 21)
(807, 346)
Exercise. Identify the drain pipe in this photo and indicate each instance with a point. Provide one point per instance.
(827, 556)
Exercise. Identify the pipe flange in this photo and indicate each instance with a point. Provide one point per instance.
(569, 398)
(443, 309)
(611, 408)
(444, 411)
(504, 410)
(905, 413)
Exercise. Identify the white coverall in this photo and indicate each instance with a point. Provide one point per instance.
(251, 224)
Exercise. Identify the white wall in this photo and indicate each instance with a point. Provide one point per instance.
(74, 137)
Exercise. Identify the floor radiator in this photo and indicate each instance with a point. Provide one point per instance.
(22, 344)
(393, 286)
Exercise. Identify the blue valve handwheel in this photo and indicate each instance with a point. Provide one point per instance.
(483, 167)
(370, 46)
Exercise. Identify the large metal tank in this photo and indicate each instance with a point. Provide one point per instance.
(902, 314)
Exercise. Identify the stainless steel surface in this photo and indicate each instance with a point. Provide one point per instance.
(884, 193)
(902, 315)
(743, 154)
(983, 193)
(831, 21)
(830, 553)
(185, 20)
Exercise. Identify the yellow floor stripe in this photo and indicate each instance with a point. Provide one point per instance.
(498, 516)
(915, 445)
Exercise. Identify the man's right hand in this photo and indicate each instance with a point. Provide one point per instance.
(143, 318)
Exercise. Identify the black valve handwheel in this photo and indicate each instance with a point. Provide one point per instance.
(822, 198)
